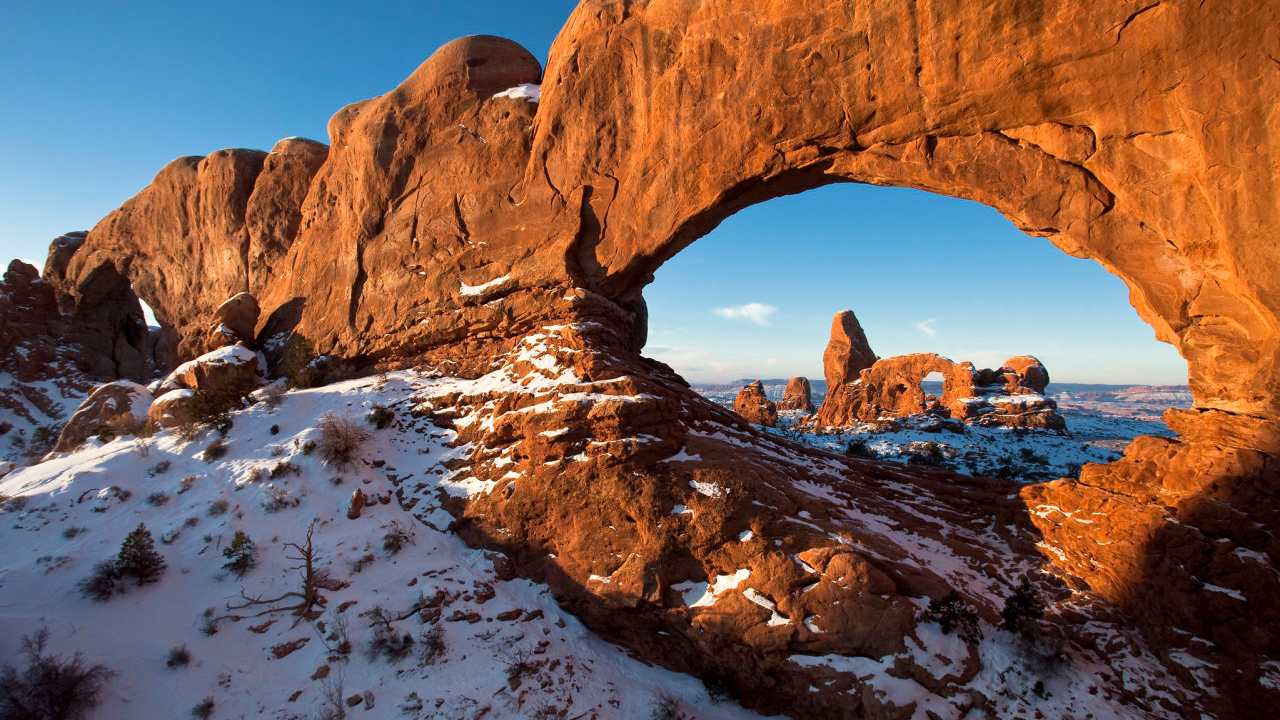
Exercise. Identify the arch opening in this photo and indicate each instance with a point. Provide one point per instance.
(929, 274)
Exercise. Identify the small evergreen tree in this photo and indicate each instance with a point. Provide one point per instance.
(138, 557)
(952, 613)
(1023, 607)
(241, 554)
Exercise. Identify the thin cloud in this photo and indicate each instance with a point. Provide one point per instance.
(757, 313)
(926, 327)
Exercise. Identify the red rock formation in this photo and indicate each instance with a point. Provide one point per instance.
(234, 321)
(797, 396)
(121, 405)
(754, 406)
(449, 225)
(848, 352)
(891, 388)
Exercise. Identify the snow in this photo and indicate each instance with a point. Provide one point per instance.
(576, 673)
(478, 290)
(775, 619)
(709, 489)
(701, 594)
(523, 91)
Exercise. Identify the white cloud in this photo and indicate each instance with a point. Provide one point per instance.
(757, 313)
(926, 327)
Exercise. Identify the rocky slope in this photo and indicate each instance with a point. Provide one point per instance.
(452, 223)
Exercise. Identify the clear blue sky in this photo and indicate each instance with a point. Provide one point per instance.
(98, 96)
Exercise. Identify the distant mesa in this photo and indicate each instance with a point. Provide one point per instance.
(797, 397)
(754, 406)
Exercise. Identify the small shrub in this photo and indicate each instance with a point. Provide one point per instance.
(396, 537)
(337, 641)
(431, 642)
(143, 446)
(50, 687)
(158, 498)
(275, 429)
(926, 453)
(187, 431)
(278, 499)
(241, 554)
(362, 562)
(218, 507)
(717, 687)
(308, 447)
(273, 395)
(666, 707)
(412, 704)
(386, 643)
(520, 664)
(301, 367)
(185, 483)
(859, 447)
(14, 503)
(178, 657)
(138, 557)
(215, 450)
(100, 584)
(72, 531)
(1022, 608)
(284, 467)
(952, 613)
(254, 475)
(213, 406)
(191, 521)
(380, 416)
(340, 439)
(159, 468)
(203, 709)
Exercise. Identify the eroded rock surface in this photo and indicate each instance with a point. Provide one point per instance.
(755, 406)
(121, 406)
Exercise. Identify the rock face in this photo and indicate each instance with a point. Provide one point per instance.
(754, 406)
(121, 405)
(848, 352)
(797, 396)
(451, 223)
(1008, 397)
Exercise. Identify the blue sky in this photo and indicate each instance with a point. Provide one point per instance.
(100, 95)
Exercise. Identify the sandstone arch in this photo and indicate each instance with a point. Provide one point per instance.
(447, 222)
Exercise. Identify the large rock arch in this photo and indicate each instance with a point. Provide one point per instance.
(448, 221)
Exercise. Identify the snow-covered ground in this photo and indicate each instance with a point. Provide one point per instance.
(502, 648)
(1099, 427)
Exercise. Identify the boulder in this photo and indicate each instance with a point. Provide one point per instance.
(235, 320)
(171, 409)
(233, 366)
(797, 396)
(754, 406)
(121, 405)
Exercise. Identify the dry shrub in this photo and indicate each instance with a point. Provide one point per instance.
(340, 439)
